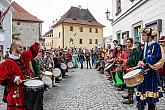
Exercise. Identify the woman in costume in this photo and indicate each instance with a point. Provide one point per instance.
(119, 73)
(132, 59)
(148, 91)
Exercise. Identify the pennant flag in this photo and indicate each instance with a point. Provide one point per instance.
(4, 14)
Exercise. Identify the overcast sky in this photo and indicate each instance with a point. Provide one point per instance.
(50, 10)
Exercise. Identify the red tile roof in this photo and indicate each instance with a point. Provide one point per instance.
(22, 14)
(77, 15)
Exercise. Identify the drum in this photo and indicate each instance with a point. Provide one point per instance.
(47, 81)
(33, 92)
(134, 78)
(63, 66)
(56, 72)
(108, 67)
(70, 65)
(48, 73)
(34, 84)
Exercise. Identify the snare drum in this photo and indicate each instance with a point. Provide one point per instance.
(48, 73)
(70, 65)
(63, 66)
(47, 81)
(56, 72)
(134, 78)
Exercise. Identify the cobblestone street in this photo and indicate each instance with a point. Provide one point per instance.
(85, 89)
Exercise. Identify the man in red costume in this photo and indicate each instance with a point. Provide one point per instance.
(13, 71)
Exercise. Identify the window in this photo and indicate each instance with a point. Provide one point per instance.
(90, 41)
(137, 35)
(27, 29)
(118, 7)
(81, 41)
(33, 29)
(52, 42)
(96, 41)
(81, 29)
(96, 30)
(90, 29)
(71, 28)
(1, 26)
(71, 41)
(119, 38)
(18, 23)
(59, 35)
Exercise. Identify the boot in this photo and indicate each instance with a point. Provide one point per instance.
(125, 96)
(151, 106)
(139, 107)
(130, 99)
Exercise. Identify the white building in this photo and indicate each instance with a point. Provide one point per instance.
(5, 26)
(28, 26)
(130, 15)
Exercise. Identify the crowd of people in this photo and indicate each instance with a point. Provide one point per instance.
(22, 67)
(125, 60)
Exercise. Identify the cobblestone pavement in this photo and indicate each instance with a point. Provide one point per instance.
(84, 89)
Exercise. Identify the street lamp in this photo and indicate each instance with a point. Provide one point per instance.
(108, 15)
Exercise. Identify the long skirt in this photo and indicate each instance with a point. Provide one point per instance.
(149, 91)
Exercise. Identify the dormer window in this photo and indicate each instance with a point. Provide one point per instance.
(89, 21)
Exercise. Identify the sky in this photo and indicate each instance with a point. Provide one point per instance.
(51, 10)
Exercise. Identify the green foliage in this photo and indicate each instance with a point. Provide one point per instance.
(16, 36)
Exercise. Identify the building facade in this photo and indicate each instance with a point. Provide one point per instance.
(131, 15)
(25, 25)
(77, 28)
(48, 39)
(5, 26)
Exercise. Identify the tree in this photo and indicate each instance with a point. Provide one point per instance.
(15, 36)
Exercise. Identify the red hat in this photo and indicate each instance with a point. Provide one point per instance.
(162, 38)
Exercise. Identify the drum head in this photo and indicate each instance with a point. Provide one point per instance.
(46, 80)
(106, 64)
(33, 83)
(70, 65)
(56, 72)
(132, 74)
(48, 73)
(63, 66)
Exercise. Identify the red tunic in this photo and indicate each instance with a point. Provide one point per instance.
(9, 69)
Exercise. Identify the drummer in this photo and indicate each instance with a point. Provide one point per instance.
(132, 58)
(148, 91)
(13, 71)
(49, 64)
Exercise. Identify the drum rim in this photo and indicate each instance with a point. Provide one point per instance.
(132, 76)
(58, 70)
(27, 86)
(48, 74)
(63, 65)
